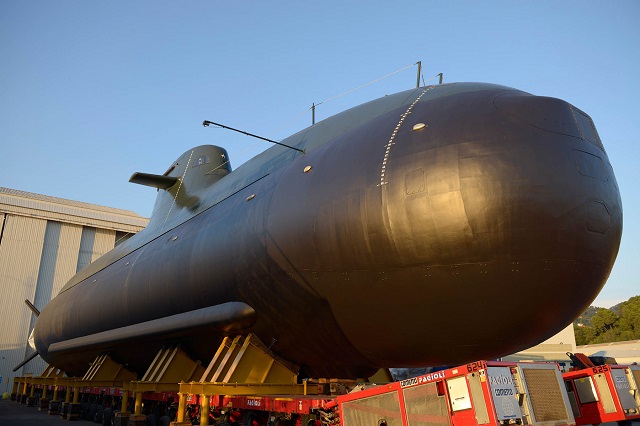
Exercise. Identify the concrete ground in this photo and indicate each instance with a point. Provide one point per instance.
(14, 414)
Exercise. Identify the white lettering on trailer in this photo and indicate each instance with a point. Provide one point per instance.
(408, 382)
(254, 402)
(504, 393)
(423, 379)
(621, 382)
(500, 380)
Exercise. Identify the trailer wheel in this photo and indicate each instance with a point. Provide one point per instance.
(248, 421)
(107, 416)
(99, 413)
(309, 420)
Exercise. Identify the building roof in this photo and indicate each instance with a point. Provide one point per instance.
(624, 352)
(611, 344)
(52, 208)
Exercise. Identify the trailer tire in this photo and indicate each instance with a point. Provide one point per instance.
(99, 413)
(107, 414)
(248, 420)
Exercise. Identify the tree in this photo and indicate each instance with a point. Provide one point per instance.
(584, 335)
(604, 320)
(609, 325)
(629, 321)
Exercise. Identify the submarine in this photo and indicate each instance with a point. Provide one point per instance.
(435, 226)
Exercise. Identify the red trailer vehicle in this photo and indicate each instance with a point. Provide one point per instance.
(483, 392)
(604, 393)
(244, 383)
(480, 393)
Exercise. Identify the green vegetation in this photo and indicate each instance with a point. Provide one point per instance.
(585, 318)
(601, 325)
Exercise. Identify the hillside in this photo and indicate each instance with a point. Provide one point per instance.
(585, 318)
(601, 325)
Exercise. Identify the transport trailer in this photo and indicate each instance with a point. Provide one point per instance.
(282, 410)
(245, 384)
(479, 393)
(604, 393)
(106, 406)
(483, 392)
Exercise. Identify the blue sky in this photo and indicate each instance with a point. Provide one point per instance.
(91, 92)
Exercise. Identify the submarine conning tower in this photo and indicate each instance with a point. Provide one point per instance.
(185, 181)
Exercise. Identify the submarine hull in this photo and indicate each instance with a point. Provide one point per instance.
(468, 222)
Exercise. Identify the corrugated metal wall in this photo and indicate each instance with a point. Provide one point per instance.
(86, 247)
(20, 258)
(93, 244)
(57, 266)
(67, 255)
(37, 257)
(105, 240)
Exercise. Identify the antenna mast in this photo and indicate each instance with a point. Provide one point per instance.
(207, 123)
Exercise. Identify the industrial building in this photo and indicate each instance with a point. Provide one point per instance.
(624, 352)
(554, 349)
(44, 241)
